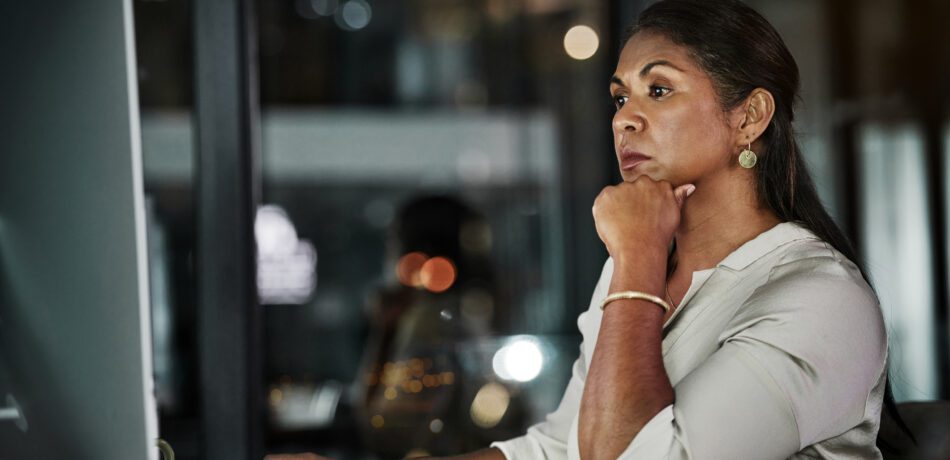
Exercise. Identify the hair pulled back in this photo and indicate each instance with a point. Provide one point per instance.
(741, 51)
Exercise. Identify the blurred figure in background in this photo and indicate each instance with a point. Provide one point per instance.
(412, 399)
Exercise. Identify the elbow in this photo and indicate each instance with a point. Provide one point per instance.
(591, 449)
(592, 427)
(606, 433)
(597, 452)
(602, 434)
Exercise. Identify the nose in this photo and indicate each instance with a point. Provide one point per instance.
(628, 119)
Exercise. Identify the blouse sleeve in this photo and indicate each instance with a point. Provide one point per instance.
(796, 367)
(548, 440)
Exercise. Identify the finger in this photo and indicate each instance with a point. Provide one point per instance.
(682, 192)
(600, 197)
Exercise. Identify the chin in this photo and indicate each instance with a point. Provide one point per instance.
(630, 176)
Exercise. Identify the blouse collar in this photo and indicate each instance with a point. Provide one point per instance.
(767, 241)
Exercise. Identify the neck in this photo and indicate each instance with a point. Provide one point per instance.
(718, 218)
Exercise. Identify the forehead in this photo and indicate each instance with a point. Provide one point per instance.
(646, 47)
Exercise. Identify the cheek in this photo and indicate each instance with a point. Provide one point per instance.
(695, 138)
(695, 129)
(680, 129)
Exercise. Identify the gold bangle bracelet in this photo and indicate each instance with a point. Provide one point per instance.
(635, 295)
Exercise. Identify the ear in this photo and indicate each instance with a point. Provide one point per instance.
(758, 110)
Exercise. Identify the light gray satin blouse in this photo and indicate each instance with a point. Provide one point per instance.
(777, 352)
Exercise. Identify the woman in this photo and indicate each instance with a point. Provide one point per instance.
(774, 344)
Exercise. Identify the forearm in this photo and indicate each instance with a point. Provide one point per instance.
(626, 383)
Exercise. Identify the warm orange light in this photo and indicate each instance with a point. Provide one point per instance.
(437, 274)
(447, 378)
(408, 270)
(417, 453)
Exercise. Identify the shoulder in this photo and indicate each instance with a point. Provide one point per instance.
(815, 300)
(815, 325)
(810, 274)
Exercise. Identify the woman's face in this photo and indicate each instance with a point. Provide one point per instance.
(669, 124)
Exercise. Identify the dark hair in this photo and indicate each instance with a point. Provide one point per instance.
(741, 51)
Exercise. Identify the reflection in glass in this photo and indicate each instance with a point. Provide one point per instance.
(898, 248)
(447, 121)
(286, 265)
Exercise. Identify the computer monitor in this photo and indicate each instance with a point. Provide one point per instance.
(75, 350)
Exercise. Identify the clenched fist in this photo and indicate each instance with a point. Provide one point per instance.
(639, 215)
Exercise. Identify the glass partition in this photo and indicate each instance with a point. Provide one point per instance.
(414, 186)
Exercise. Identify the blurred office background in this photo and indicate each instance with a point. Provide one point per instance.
(369, 228)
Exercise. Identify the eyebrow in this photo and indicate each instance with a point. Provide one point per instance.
(646, 69)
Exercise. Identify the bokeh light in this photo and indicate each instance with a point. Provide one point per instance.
(520, 360)
(417, 453)
(273, 231)
(354, 15)
(490, 404)
(286, 265)
(476, 237)
(477, 305)
(581, 42)
(437, 274)
(409, 267)
(276, 396)
(436, 425)
(447, 378)
(324, 7)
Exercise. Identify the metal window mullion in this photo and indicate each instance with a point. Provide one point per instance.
(227, 186)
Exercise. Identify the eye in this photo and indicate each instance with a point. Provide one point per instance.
(657, 92)
(619, 101)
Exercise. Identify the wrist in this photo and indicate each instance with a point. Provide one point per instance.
(651, 258)
(649, 282)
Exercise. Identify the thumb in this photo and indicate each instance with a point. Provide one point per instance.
(683, 191)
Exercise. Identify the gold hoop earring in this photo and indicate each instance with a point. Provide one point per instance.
(747, 158)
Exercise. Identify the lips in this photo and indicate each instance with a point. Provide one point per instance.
(630, 159)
